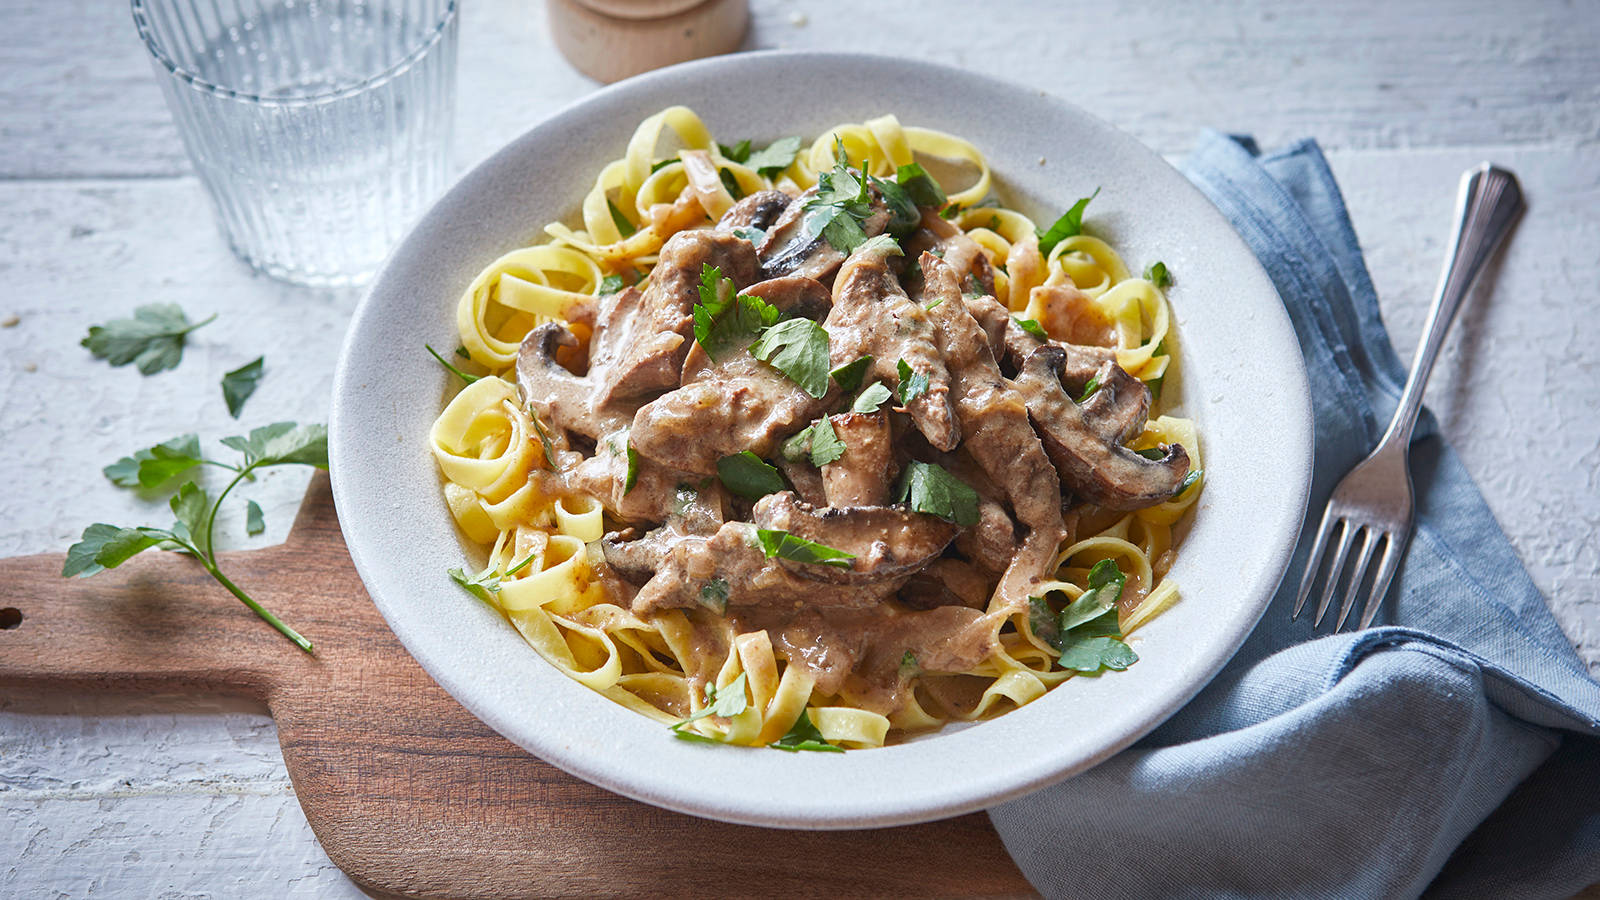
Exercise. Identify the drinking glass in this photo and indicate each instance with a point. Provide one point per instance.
(319, 128)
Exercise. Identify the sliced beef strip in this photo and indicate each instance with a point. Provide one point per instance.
(1094, 468)
(946, 582)
(790, 249)
(650, 357)
(999, 436)
(873, 316)
(636, 558)
(734, 557)
(657, 489)
(889, 543)
(944, 239)
(759, 210)
(860, 477)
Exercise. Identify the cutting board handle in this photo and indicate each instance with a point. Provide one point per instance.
(158, 622)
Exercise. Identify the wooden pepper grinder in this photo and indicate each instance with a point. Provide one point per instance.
(612, 39)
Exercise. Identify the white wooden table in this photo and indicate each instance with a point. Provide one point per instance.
(186, 797)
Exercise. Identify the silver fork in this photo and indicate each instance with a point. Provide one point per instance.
(1374, 501)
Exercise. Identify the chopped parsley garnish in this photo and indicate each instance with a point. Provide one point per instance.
(730, 184)
(871, 398)
(725, 702)
(1188, 481)
(748, 475)
(922, 187)
(773, 158)
(1087, 633)
(545, 443)
(486, 584)
(798, 447)
(785, 545)
(738, 152)
(1156, 273)
(443, 362)
(611, 284)
(929, 488)
(624, 227)
(750, 233)
(842, 203)
(849, 375)
(632, 478)
(714, 594)
(912, 384)
(238, 385)
(1152, 453)
(152, 339)
(825, 444)
(803, 735)
(1155, 383)
(724, 319)
(798, 348)
(1069, 225)
(1032, 327)
(1089, 389)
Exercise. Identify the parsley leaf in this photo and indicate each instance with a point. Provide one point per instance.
(108, 546)
(871, 398)
(1156, 273)
(283, 443)
(1069, 225)
(785, 545)
(1088, 633)
(545, 443)
(912, 385)
(1089, 389)
(1105, 588)
(1188, 481)
(152, 466)
(152, 339)
(775, 157)
(730, 184)
(725, 702)
(849, 375)
(803, 735)
(254, 521)
(749, 233)
(924, 190)
(1097, 644)
(747, 475)
(632, 478)
(611, 284)
(446, 363)
(798, 447)
(1044, 621)
(238, 385)
(624, 227)
(714, 594)
(929, 488)
(1156, 383)
(739, 152)
(189, 506)
(1152, 453)
(825, 444)
(799, 349)
(723, 319)
(842, 203)
(486, 584)
(1032, 327)
(904, 217)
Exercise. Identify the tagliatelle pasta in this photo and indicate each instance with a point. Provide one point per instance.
(1008, 597)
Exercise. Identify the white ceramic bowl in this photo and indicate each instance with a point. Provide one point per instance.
(1242, 379)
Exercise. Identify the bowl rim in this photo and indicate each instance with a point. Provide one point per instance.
(661, 785)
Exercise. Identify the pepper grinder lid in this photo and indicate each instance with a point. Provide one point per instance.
(609, 40)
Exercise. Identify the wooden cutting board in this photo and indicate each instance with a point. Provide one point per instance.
(409, 793)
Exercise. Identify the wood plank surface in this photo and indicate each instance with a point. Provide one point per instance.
(407, 792)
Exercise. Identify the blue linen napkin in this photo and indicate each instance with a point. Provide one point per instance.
(1454, 750)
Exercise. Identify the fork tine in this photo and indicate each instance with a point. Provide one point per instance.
(1335, 568)
(1358, 574)
(1313, 563)
(1386, 570)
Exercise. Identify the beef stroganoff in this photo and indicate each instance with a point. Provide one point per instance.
(791, 446)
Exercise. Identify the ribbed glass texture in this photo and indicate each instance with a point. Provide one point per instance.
(320, 128)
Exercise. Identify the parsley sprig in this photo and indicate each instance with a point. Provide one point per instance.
(106, 546)
(725, 702)
(486, 584)
(1069, 225)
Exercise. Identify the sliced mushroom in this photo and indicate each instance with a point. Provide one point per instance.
(652, 358)
(790, 248)
(861, 476)
(1096, 469)
(946, 582)
(759, 210)
(1119, 406)
(887, 542)
(562, 399)
(872, 316)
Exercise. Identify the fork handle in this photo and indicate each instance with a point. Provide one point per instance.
(1488, 206)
